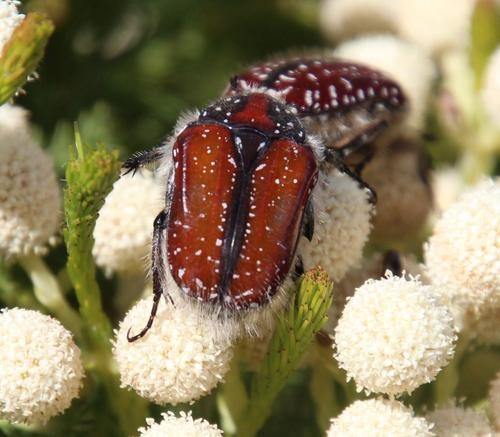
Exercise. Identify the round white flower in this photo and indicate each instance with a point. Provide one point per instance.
(451, 420)
(342, 224)
(407, 64)
(373, 267)
(184, 425)
(178, 360)
(29, 193)
(462, 256)
(490, 92)
(124, 228)
(41, 371)
(378, 418)
(340, 19)
(376, 337)
(399, 175)
(436, 26)
(10, 18)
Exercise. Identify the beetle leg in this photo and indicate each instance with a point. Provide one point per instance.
(157, 272)
(369, 152)
(334, 157)
(367, 136)
(142, 159)
(392, 262)
(308, 224)
(299, 268)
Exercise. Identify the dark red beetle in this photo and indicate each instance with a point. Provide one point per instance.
(347, 104)
(238, 196)
(242, 177)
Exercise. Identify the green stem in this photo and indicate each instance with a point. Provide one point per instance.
(232, 399)
(49, 293)
(295, 329)
(446, 382)
(323, 393)
(339, 375)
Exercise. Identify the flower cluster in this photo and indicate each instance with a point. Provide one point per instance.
(343, 224)
(124, 227)
(379, 418)
(177, 361)
(462, 255)
(184, 425)
(29, 192)
(41, 371)
(403, 257)
(454, 420)
(375, 337)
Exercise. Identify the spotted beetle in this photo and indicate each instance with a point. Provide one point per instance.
(242, 175)
(238, 195)
(349, 105)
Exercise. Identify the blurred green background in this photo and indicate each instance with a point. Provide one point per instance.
(126, 70)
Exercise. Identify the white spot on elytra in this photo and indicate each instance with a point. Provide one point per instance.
(308, 97)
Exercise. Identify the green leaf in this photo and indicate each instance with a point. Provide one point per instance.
(295, 329)
(22, 53)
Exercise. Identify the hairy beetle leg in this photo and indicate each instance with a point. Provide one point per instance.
(335, 157)
(368, 154)
(157, 271)
(142, 159)
(308, 221)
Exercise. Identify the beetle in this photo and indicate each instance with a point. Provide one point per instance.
(238, 195)
(237, 202)
(348, 104)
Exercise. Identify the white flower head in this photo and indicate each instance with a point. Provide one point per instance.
(184, 425)
(373, 267)
(436, 26)
(399, 176)
(451, 420)
(41, 371)
(494, 396)
(490, 92)
(124, 228)
(341, 19)
(10, 18)
(379, 418)
(342, 224)
(29, 193)
(462, 255)
(178, 360)
(407, 64)
(393, 336)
